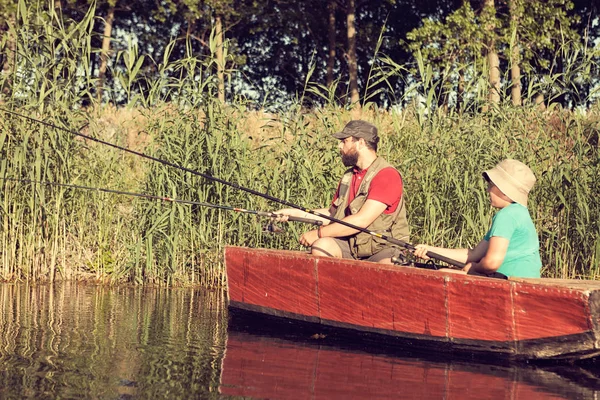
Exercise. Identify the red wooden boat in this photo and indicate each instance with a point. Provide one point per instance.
(516, 318)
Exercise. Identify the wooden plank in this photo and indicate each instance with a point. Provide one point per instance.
(278, 280)
(545, 311)
(376, 296)
(479, 308)
(581, 284)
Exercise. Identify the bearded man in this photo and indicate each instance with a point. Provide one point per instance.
(370, 195)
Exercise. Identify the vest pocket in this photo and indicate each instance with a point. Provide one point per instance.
(362, 245)
(378, 244)
(366, 245)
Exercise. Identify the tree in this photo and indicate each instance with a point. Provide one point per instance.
(342, 45)
(331, 7)
(105, 52)
(516, 13)
(535, 40)
(488, 19)
(452, 47)
(536, 36)
(352, 62)
(223, 11)
(282, 41)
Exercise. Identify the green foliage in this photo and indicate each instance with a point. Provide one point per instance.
(538, 37)
(49, 232)
(458, 40)
(291, 157)
(52, 58)
(542, 28)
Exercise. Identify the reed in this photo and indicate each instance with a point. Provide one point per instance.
(143, 241)
(55, 233)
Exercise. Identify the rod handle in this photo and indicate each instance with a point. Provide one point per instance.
(447, 260)
(306, 220)
(429, 254)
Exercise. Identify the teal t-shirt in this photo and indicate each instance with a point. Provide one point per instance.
(522, 259)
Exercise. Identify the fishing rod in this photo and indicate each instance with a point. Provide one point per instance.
(168, 199)
(394, 241)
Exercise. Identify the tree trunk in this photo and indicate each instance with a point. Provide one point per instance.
(352, 62)
(104, 55)
(461, 91)
(515, 55)
(220, 58)
(443, 94)
(9, 57)
(331, 39)
(515, 77)
(539, 101)
(492, 56)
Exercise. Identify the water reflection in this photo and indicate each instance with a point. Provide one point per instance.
(81, 341)
(261, 365)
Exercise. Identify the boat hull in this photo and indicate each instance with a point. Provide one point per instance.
(517, 318)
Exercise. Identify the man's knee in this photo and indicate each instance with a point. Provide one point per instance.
(326, 247)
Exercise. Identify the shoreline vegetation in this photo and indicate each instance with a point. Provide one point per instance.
(50, 233)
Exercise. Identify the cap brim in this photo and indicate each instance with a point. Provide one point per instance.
(341, 135)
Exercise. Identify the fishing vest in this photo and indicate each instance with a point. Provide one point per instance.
(393, 225)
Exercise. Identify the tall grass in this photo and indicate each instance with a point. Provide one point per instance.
(56, 233)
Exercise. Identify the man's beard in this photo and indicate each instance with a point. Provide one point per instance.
(351, 159)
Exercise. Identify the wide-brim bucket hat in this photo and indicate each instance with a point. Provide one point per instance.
(513, 178)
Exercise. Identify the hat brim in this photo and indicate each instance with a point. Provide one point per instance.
(341, 135)
(501, 180)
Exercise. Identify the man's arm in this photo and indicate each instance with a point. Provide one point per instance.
(294, 212)
(363, 218)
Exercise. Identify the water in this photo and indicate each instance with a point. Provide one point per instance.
(80, 341)
(84, 341)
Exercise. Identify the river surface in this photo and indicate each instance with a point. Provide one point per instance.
(77, 341)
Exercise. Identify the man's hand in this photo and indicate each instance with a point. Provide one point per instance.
(309, 238)
(284, 213)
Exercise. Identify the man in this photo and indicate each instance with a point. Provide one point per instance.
(369, 195)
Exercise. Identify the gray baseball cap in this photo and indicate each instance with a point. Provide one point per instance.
(357, 129)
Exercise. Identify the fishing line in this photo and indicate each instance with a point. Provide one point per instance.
(168, 199)
(397, 242)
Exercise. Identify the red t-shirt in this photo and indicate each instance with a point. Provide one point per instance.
(386, 187)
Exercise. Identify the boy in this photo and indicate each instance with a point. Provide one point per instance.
(511, 245)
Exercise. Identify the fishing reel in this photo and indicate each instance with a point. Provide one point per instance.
(272, 228)
(403, 260)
